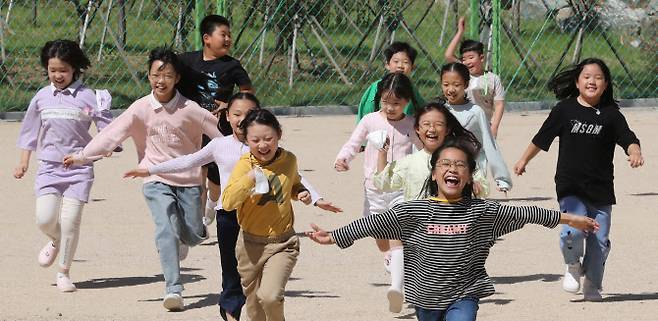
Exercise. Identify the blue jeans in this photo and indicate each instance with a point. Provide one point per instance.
(231, 299)
(177, 216)
(465, 309)
(596, 245)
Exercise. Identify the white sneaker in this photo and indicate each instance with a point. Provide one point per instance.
(395, 300)
(591, 292)
(173, 302)
(64, 283)
(571, 280)
(183, 250)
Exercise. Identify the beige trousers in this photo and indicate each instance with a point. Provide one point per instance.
(265, 265)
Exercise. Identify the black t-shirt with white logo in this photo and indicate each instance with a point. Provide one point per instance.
(205, 81)
(587, 144)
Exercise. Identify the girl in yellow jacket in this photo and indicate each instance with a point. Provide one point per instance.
(261, 187)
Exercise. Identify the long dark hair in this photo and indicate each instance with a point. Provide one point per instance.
(431, 187)
(455, 128)
(461, 70)
(67, 51)
(399, 85)
(263, 117)
(563, 84)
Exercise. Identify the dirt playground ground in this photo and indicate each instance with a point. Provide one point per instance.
(118, 276)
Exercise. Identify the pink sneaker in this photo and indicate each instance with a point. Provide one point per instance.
(64, 283)
(48, 254)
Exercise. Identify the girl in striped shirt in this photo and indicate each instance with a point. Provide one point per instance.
(447, 237)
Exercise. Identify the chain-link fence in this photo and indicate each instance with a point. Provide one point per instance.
(326, 52)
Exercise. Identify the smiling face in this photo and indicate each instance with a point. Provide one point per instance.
(392, 106)
(473, 60)
(454, 87)
(591, 84)
(236, 114)
(451, 173)
(263, 141)
(163, 79)
(60, 73)
(400, 62)
(432, 130)
(218, 42)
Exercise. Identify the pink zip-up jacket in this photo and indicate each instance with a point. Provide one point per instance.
(401, 134)
(161, 132)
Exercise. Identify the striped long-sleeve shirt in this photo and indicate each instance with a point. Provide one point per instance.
(445, 244)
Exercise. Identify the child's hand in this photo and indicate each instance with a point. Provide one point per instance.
(70, 160)
(341, 165)
(304, 197)
(108, 154)
(320, 236)
(328, 206)
(137, 172)
(583, 223)
(20, 170)
(477, 188)
(636, 160)
(519, 167)
(461, 24)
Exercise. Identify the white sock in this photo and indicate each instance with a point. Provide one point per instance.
(397, 268)
(210, 203)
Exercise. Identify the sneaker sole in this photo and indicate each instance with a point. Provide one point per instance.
(395, 301)
(173, 304)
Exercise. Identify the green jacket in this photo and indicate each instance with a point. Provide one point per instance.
(367, 104)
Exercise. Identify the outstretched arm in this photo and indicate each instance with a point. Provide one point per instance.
(449, 54)
(381, 226)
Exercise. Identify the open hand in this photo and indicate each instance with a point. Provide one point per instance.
(320, 236)
(137, 172)
(461, 24)
(328, 206)
(583, 223)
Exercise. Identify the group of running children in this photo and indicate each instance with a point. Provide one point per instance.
(425, 166)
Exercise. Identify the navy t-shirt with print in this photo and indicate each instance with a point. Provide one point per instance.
(205, 81)
(587, 144)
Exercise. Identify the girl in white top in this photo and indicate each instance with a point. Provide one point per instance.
(454, 81)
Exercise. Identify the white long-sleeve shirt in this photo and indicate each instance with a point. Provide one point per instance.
(473, 118)
(225, 152)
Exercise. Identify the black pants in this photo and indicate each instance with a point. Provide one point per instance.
(231, 299)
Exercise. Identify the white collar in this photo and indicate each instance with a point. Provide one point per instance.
(173, 103)
(71, 89)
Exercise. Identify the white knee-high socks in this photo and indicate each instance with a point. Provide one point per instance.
(59, 218)
(397, 268)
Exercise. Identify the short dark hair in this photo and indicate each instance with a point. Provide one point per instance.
(471, 45)
(210, 22)
(167, 56)
(263, 117)
(67, 51)
(400, 46)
